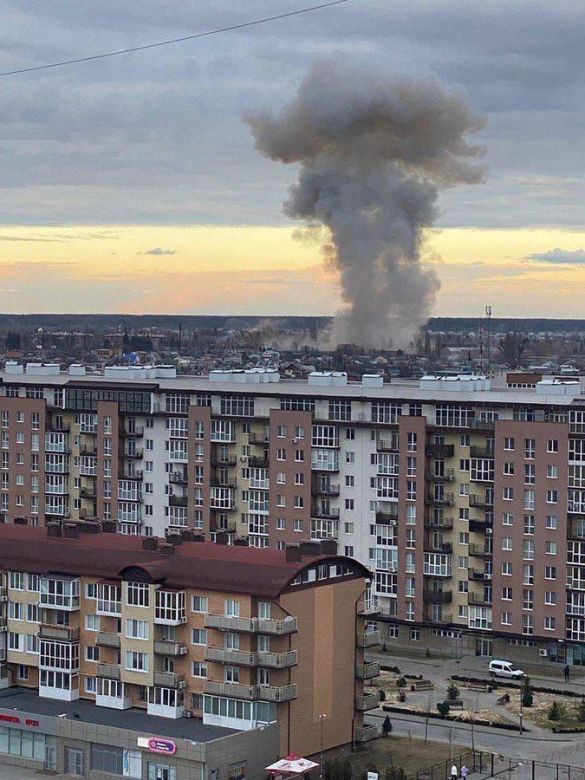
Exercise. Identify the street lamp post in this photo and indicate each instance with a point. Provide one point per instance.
(321, 719)
(521, 705)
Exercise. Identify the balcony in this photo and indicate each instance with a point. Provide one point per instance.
(368, 639)
(105, 639)
(227, 482)
(478, 550)
(277, 693)
(277, 627)
(137, 454)
(442, 618)
(368, 606)
(386, 518)
(478, 575)
(223, 655)
(367, 670)
(228, 461)
(366, 701)
(320, 489)
(178, 477)
(325, 513)
(387, 445)
(169, 680)
(479, 600)
(87, 492)
(481, 452)
(177, 500)
(262, 439)
(133, 474)
(438, 596)
(111, 671)
(445, 499)
(480, 501)
(448, 475)
(59, 633)
(108, 607)
(137, 431)
(88, 452)
(169, 647)
(439, 547)
(478, 526)
(484, 425)
(440, 450)
(366, 733)
(255, 462)
(444, 524)
(232, 690)
(276, 660)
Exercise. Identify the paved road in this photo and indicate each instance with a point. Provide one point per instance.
(550, 747)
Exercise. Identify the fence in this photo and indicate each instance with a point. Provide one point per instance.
(483, 765)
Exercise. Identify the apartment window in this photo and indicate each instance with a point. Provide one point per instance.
(198, 636)
(33, 613)
(528, 549)
(299, 502)
(136, 662)
(552, 445)
(508, 494)
(529, 449)
(507, 594)
(411, 514)
(349, 503)
(137, 629)
(529, 474)
(15, 610)
(506, 619)
(298, 525)
(465, 464)
(550, 623)
(550, 572)
(348, 528)
(232, 674)
(463, 586)
(92, 622)
(509, 443)
(507, 518)
(92, 653)
(199, 669)
(528, 574)
(552, 496)
(300, 432)
(299, 456)
(465, 440)
(281, 501)
(551, 522)
(350, 457)
(529, 499)
(527, 625)
(552, 471)
(281, 454)
(16, 580)
(463, 562)
(232, 608)
(138, 594)
(507, 568)
(350, 434)
(550, 598)
(410, 490)
(348, 551)
(507, 543)
(529, 525)
(550, 548)
(508, 468)
(199, 604)
(281, 431)
(411, 441)
(280, 524)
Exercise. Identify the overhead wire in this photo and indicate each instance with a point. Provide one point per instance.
(173, 41)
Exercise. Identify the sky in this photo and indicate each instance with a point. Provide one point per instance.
(132, 184)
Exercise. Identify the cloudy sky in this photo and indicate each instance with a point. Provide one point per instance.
(131, 184)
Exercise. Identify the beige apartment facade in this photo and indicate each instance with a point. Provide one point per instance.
(472, 547)
(234, 637)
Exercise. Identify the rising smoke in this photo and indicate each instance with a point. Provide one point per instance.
(374, 153)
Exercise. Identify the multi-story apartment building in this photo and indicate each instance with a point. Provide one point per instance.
(465, 501)
(231, 635)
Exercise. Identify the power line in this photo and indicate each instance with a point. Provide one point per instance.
(205, 34)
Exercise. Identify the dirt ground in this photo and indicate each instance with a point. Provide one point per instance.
(401, 752)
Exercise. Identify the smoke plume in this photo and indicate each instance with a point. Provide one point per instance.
(374, 153)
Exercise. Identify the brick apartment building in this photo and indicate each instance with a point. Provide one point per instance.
(465, 501)
(233, 637)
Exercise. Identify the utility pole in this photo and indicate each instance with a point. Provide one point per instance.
(488, 314)
(321, 719)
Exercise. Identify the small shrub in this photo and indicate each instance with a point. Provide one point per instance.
(443, 707)
(401, 695)
(401, 682)
(581, 711)
(556, 711)
(526, 692)
(452, 692)
(394, 773)
(381, 695)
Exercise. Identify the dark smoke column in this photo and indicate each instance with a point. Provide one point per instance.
(374, 153)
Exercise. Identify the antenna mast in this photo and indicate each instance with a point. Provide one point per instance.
(488, 314)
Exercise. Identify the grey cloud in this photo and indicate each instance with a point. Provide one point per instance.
(156, 137)
(560, 256)
(158, 250)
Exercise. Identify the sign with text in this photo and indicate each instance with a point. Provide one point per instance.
(158, 745)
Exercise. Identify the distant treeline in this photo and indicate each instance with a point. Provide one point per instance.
(109, 323)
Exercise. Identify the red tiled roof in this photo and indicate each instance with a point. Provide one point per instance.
(202, 565)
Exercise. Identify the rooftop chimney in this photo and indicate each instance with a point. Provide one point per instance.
(293, 553)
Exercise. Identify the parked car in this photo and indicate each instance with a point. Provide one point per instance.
(505, 669)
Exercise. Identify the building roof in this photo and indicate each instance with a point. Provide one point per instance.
(205, 565)
(26, 700)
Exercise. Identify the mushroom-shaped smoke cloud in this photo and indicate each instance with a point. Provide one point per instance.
(374, 153)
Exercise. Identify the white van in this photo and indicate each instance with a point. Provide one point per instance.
(505, 669)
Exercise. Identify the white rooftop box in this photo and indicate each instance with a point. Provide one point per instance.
(76, 369)
(328, 378)
(556, 387)
(42, 369)
(372, 380)
(12, 367)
